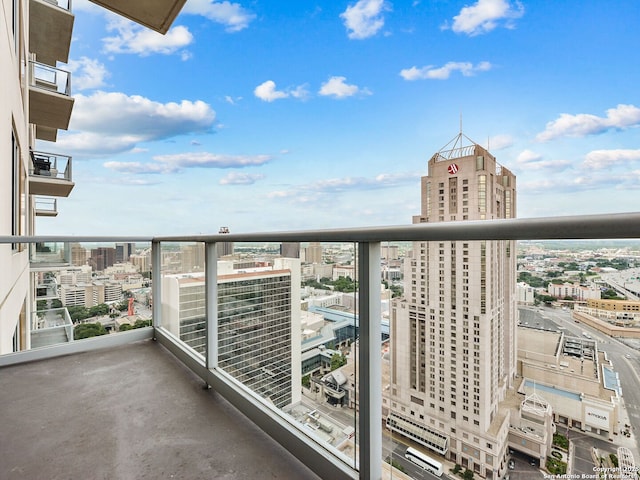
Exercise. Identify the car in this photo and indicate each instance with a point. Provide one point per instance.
(512, 465)
(532, 462)
(628, 355)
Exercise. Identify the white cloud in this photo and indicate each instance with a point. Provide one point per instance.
(486, 15)
(442, 73)
(236, 178)
(135, 39)
(338, 88)
(364, 18)
(87, 73)
(528, 156)
(317, 191)
(267, 91)
(500, 142)
(232, 15)
(164, 164)
(599, 159)
(583, 124)
(530, 160)
(106, 123)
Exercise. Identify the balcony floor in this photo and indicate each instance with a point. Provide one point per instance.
(130, 412)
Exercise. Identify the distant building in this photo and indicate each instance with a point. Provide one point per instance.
(526, 293)
(141, 262)
(224, 248)
(574, 290)
(124, 251)
(290, 249)
(259, 324)
(313, 253)
(102, 257)
(192, 257)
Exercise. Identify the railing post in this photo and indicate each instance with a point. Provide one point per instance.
(369, 358)
(156, 284)
(211, 302)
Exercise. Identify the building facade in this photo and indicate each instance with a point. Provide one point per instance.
(259, 337)
(453, 334)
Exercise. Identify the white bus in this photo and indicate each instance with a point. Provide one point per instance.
(424, 461)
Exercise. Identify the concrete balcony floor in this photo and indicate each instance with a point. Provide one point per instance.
(129, 412)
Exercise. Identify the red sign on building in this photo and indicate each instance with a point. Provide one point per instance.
(453, 168)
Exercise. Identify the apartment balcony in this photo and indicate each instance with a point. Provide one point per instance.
(49, 256)
(46, 207)
(51, 327)
(50, 29)
(47, 290)
(50, 175)
(157, 15)
(143, 403)
(50, 101)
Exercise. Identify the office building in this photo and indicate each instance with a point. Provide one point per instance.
(224, 248)
(259, 323)
(453, 335)
(102, 258)
(124, 251)
(313, 253)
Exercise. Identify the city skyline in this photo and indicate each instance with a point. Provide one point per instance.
(326, 115)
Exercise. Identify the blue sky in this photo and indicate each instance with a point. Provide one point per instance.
(280, 115)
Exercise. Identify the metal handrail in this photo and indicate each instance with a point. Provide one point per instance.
(580, 227)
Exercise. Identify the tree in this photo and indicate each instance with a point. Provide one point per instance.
(467, 475)
(337, 360)
(78, 312)
(56, 303)
(529, 279)
(306, 381)
(86, 330)
(397, 291)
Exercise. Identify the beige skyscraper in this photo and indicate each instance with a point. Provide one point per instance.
(453, 335)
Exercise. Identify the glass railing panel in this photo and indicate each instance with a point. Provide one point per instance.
(52, 165)
(49, 253)
(183, 293)
(288, 330)
(84, 290)
(51, 78)
(46, 206)
(501, 353)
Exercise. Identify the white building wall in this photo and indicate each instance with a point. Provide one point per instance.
(14, 280)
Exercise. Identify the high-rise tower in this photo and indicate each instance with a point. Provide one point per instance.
(453, 335)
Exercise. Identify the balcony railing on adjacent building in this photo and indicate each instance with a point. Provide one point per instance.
(46, 206)
(363, 459)
(50, 174)
(50, 102)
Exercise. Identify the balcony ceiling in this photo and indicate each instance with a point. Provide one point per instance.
(157, 15)
(50, 29)
(128, 412)
(46, 133)
(49, 186)
(49, 109)
(40, 212)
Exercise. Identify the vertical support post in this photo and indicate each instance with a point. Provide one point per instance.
(369, 358)
(156, 284)
(211, 303)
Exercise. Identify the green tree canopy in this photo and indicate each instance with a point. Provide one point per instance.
(86, 330)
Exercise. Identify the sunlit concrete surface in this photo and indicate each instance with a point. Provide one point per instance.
(130, 412)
